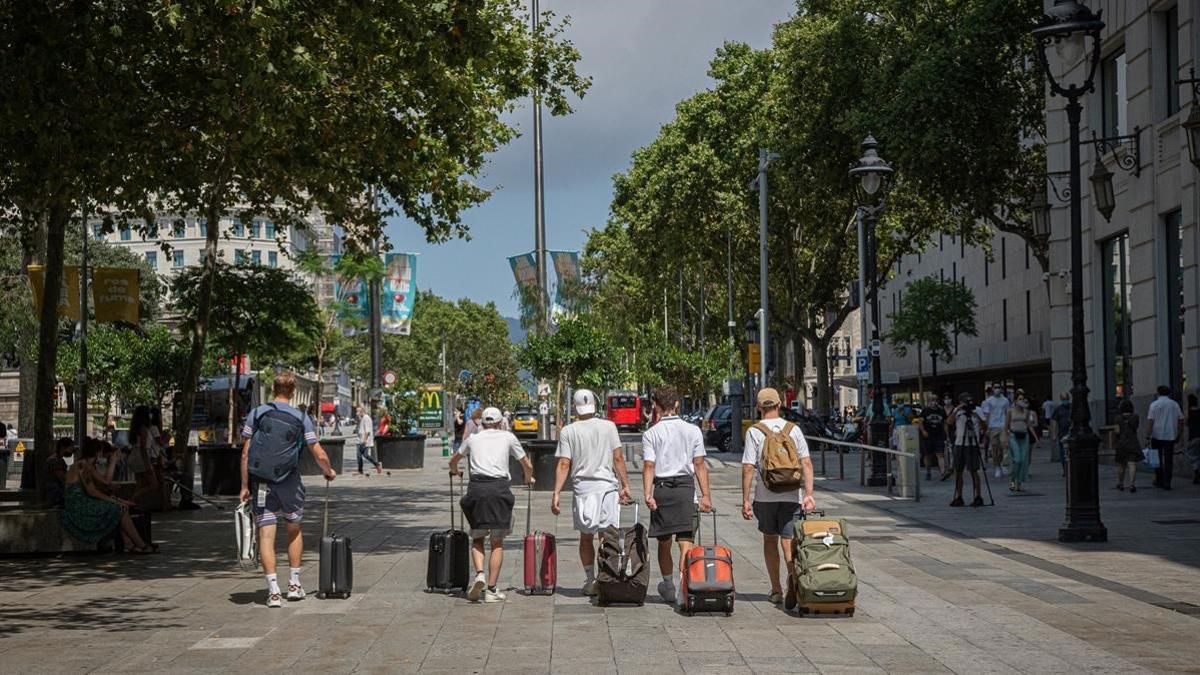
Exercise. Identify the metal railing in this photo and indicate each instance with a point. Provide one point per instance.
(894, 457)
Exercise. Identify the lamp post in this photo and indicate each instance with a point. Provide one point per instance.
(765, 157)
(1068, 27)
(874, 175)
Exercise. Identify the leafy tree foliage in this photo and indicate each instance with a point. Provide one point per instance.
(934, 310)
(578, 354)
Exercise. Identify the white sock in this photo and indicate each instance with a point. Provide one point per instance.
(273, 584)
(294, 577)
(590, 573)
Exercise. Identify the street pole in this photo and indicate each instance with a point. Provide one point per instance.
(1083, 496)
(862, 299)
(81, 395)
(376, 316)
(764, 160)
(539, 226)
(729, 279)
(879, 424)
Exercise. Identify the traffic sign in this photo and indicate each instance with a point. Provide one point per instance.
(389, 378)
(543, 389)
(875, 347)
(862, 364)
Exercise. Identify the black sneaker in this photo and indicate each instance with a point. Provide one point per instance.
(957, 502)
(978, 501)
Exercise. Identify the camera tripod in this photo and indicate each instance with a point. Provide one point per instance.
(971, 443)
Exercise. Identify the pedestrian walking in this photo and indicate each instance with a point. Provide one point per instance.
(589, 451)
(933, 434)
(993, 410)
(778, 445)
(1020, 423)
(1164, 421)
(672, 464)
(488, 503)
(1129, 448)
(366, 441)
(460, 423)
(1193, 445)
(472, 425)
(282, 496)
(968, 456)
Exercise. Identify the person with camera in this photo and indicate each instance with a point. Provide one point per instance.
(968, 427)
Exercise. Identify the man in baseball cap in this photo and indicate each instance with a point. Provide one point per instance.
(589, 450)
(488, 503)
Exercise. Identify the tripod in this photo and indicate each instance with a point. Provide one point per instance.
(971, 444)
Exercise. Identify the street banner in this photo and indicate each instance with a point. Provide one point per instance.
(566, 268)
(116, 294)
(399, 293)
(351, 293)
(68, 299)
(524, 269)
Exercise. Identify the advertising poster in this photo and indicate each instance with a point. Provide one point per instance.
(116, 295)
(399, 291)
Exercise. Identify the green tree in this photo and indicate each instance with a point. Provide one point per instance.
(934, 310)
(578, 354)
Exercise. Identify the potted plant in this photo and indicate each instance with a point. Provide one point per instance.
(400, 448)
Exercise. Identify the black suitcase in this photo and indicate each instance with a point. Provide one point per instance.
(622, 572)
(449, 567)
(336, 578)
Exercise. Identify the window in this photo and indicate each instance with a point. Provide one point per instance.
(1114, 115)
(126, 233)
(256, 257)
(1003, 259)
(1004, 318)
(152, 259)
(98, 231)
(239, 256)
(1028, 314)
(273, 258)
(962, 247)
(1118, 334)
(178, 230)
(1026, 255)
(202, 223)
(900, 301)
(941, 241)
(986, 273)
(255, 229)
(177, 259)
(270, 230)
(954, 272)
(1168, 31)
(239, 230)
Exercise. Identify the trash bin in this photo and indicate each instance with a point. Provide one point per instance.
(334, 447)
(541, 454)
(220, 470)
(400, 452)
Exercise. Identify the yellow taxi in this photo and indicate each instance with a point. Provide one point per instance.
(525, 421)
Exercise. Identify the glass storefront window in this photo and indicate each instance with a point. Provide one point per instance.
(1118, 333)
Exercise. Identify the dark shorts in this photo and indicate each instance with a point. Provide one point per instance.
(676, 513)
(776, 518)
(967, 458)
(934, 448)
(285, 497)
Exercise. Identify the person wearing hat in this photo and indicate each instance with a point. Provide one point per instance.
(589, 450)
(774, 511)
(968, 455)
(488, 503)
(672, 464)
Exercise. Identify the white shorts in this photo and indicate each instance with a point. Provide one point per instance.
(596, 509)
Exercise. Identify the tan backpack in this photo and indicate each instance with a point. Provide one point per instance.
(780, 460)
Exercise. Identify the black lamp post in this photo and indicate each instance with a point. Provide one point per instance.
(1069, 27)
(874, 175)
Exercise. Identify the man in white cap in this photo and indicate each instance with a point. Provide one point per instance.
(590, 451)
(488, 503)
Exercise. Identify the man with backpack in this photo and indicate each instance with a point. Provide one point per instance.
(777, 454)
(275, 435)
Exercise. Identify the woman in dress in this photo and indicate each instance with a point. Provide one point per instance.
(1129, 449)
(1021, 424)
(91, 514)
(143, 455)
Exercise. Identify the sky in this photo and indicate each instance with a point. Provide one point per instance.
(644, 56)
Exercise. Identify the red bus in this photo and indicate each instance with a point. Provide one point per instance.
(625, 410)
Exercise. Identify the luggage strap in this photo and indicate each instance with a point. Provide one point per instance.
(624, 561)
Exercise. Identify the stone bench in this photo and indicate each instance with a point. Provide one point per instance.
(36, 530)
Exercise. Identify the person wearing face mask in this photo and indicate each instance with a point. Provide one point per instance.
(1021, 424)
(933, 437)
(993, 411)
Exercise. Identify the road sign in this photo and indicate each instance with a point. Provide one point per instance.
(862, 364)
(875, 347)
(544, 389)
(389, 378)
(543, 408)
(755, 352)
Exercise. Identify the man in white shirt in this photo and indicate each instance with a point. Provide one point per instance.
(366, 441)
(775, 511)
(993, 411)
(589, 450)
(672, 463)
(488, 503)
(1164, 421)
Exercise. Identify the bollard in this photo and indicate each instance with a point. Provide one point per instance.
(445, 445)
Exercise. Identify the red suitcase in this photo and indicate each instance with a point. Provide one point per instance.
(541, 557)
(707, 583)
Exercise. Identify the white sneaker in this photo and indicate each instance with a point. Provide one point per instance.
(666, 590)
(589, 587)
(274, 600)
(493, 596)
(295, 592)
(476, 588)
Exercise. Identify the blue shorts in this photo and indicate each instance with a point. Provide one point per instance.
(285, 497)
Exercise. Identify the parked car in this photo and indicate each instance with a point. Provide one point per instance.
(525, 421)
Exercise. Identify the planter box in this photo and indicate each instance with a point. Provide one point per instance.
(401, 452)
(334, 447)
(220, 470)
(541, 454)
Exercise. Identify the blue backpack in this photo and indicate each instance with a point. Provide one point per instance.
(275, 445)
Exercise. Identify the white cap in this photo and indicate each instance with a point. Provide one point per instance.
(491, 415)
(585, 402)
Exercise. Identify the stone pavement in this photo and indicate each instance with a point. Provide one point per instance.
(966, 591)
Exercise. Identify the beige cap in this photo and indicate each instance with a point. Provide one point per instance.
(768, 396)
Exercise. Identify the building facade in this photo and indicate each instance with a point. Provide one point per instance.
(1140, 285)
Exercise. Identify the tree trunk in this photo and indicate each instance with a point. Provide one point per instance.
(33, 252)
(235, 372)
(920, 375)
(43, 422)
(821, 363)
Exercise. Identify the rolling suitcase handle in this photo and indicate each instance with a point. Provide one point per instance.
(325, 518)
(714, 515)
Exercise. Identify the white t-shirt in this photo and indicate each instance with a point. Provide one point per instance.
(1047, 408)
(366, 431)
(753, 453)
(488, 450)
(993, 410)
(672, 445)
(1165, 414)
(589, 444)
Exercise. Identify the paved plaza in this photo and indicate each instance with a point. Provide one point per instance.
(984, 590)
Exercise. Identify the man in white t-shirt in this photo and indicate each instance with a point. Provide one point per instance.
(488, 503)
(672, 464)
(775, 511)
(1164, 421)
(589, 450)
(993, 411)
(366, 441)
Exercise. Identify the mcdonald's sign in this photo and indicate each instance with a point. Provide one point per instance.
(432, 410)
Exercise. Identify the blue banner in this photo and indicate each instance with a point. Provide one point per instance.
(351, 296)
(399, 293)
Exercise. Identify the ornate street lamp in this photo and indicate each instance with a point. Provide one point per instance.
(874, 176)
(1191, 126)
(1103, 192)
(1074, 30)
